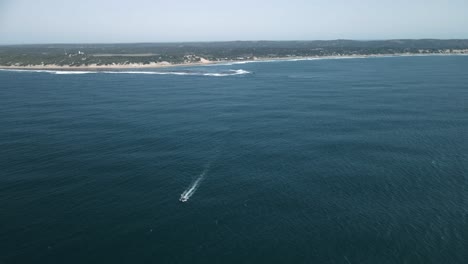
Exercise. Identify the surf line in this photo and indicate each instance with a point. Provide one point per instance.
(185, 196)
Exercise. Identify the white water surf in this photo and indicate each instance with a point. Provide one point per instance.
(188, 73)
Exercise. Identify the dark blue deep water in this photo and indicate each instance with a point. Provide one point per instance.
(324, 161)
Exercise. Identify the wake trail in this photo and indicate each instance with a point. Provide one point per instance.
(185, 196)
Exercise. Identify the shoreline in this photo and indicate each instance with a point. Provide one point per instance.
(104, 67)
(159, 65)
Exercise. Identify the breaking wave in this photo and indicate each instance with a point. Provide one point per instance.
(49, 71)
(188, 73)
(215, 74)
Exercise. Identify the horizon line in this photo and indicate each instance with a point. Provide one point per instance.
(221, 41)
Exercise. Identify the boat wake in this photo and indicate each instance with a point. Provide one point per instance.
(185, 196)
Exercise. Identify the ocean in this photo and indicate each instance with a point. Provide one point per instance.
(360, 160)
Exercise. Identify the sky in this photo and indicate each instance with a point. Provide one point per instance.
(109, 21)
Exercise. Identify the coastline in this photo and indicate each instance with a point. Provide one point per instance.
(157, 65)
(94, 67)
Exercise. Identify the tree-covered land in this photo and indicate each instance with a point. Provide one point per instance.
(192, 52)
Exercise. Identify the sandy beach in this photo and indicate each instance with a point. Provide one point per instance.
(105, 67)
(204, 62)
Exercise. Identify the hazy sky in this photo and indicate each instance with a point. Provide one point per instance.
(63, 21)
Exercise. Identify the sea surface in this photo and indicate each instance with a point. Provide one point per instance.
(359, 160)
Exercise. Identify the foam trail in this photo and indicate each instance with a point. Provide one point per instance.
(49, 71)
(189, 73)
(219, 74)
(185, 196)
(72, 72)
(230, 73)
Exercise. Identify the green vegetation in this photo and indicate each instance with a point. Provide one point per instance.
(177, 53)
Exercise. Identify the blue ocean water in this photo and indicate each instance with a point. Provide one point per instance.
(321, 161)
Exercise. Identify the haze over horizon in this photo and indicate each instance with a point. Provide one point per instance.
(106, 21)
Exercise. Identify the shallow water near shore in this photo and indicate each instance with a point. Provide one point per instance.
(320, 161)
